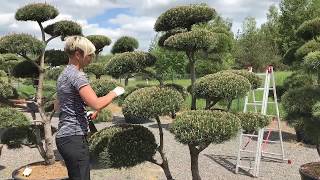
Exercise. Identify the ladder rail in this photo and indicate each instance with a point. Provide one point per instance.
(269, 85)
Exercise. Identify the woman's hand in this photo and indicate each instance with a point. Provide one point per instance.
(94, 115)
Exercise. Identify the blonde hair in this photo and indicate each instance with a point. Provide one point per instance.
(74, 43)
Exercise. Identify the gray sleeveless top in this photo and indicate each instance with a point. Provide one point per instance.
(72, 117)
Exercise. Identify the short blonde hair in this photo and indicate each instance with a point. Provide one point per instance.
(74, 43)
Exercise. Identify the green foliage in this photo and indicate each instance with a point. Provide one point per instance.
(21, 44)
(254, 80)
(53, 73)
(192, 40)
(198, 127)
(104, 115)
(309, 29)
(98, 69)
(308, 47)
(122, 146)
(298, 103)
(220, 86)
(166, 35)
(316, 110)
(6, 90)
(256, 47)
(99, 41)
(124, 44)
(10, 117)
(63, 28)
(251, 122)
(56, 57)
(297, 80)
(184, 17)
(103, 86)
(178, 88)
(169, 64)
(311, 129)
(39, 12)
(25, 69)
(312, 62)
(129, 62)
(293, 14)
(152, 102)
(3, 73)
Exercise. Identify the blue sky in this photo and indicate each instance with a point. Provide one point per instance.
(116, 18)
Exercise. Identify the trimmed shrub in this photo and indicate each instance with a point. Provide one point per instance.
(312, 62)
(124, 44)
(10, 117)
(201, 126)
(179, 88)
(103, 86)
(3, 73)
(152, 102)
(129, 62)
(308, 47)
(184, 17)
(251, 122)
(254, 80)
(56, 57)
(104, 115)
(309, 29)
(219, 86)
(122, 146)
(97, 69)
(36, 12)
(53, 73)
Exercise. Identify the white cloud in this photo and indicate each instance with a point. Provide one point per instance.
(139, 23)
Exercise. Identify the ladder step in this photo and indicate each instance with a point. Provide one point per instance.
(249, 135)
(247, 151)
(260, 104)
(270, 153)
(245, 167)
(263, 89)
(271, 141)
(271, 129)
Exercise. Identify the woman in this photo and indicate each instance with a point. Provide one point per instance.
(74, 92)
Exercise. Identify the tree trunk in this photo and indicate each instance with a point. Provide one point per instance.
(98, 76)
(126, 81)
(318, 149)
(194, 154)
(50, 158)
(1, 146)
(193, 80)
(165, 164)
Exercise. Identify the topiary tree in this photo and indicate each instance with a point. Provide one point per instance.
(99, 41)
(124, 44)
(221, 86)
(152, 102)
(98, 69)
(199, 128)
(177, 24)
(56, 57)
(8, 61)
(28, 46)
(122, 146)
(53, 73)
(309, 53)
(129, 64)
(103, 86)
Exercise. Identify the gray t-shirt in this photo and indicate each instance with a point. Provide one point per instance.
(72, 117)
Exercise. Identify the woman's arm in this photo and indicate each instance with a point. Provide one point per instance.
(90, 98)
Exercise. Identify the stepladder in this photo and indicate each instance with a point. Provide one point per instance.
(256, 144)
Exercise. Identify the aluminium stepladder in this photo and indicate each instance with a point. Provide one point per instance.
(269, 84)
